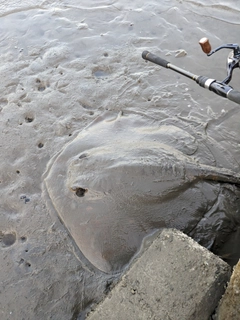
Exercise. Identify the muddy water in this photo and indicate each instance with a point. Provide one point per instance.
(63, 64)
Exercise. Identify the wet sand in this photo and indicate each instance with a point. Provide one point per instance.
(62, 65)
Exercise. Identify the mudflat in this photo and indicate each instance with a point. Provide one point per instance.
(62, 65)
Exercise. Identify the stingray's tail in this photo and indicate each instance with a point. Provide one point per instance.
(209, 173)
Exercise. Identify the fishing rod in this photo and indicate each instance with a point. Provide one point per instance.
(222, 88)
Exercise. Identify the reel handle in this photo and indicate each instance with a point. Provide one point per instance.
(205, 44)
(233, 58)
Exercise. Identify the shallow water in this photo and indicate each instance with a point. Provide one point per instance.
(63, 64)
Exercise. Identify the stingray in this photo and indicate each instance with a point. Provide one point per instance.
(125, 177)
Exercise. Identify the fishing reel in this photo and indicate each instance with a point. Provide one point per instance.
(233, 60)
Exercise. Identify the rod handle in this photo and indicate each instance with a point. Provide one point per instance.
(219, 88)
(155, 59)
(234, 96)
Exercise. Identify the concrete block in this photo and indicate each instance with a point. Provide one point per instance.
(229, 306)
(173, 279)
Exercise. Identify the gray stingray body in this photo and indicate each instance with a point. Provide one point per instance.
(122, 178)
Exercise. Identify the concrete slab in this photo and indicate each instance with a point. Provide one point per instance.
(175, 278)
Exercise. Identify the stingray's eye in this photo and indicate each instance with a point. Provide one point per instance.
(83, 155)
(80, 192)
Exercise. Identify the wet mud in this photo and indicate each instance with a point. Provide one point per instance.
(62, 65)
